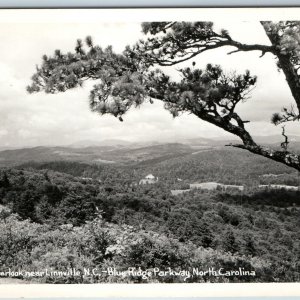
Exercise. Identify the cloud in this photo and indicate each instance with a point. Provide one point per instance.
(40, 119)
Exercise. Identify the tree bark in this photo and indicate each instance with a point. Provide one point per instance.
(285, 63)
(291, 76)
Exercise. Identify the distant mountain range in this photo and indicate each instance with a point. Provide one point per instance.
(103, 143)
(123, 152)
(94, 154)
(200, 141)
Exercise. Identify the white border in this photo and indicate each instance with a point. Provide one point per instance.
(149, 290)
(149, 14)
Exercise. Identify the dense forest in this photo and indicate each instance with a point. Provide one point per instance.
(78, 215)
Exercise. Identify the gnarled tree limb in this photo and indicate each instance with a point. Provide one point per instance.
(287, 158)
(125, 79)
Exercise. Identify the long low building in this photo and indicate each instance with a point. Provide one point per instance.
(224, 187)
(178, 192)
(215, 185)
(279, 187)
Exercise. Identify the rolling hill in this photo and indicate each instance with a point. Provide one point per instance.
(192, 161)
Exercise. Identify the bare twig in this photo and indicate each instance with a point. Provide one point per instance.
(284, 145)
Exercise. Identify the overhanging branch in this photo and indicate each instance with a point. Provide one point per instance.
(287, 158)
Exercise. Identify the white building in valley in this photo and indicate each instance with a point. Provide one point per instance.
(149, 179)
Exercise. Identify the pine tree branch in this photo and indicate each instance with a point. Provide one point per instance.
(289, 159)
(125, 81)
(174, 46)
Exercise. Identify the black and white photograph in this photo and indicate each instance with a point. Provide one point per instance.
(138, 149)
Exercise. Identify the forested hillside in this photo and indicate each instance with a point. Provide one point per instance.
(257, 230)
(226, 165)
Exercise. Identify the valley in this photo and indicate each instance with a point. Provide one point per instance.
(190, 212)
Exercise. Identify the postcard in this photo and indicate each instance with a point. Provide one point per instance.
(150, 150)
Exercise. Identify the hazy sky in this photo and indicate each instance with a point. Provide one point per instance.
(39, 119)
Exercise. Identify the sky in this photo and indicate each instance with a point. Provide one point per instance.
(63, 119)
